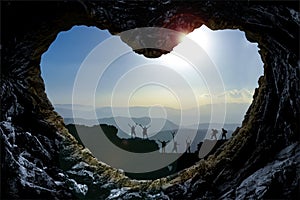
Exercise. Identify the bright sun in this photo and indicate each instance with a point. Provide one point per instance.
(200, 36)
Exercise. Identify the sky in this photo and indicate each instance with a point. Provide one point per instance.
(226, 68)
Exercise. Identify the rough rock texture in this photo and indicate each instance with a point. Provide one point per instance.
(40, 159)
(275, 179)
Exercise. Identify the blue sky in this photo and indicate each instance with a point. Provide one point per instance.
(234, 58)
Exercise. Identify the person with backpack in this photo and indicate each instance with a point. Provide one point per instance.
(224, 133)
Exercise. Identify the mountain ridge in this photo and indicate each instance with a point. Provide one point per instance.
(234, 112)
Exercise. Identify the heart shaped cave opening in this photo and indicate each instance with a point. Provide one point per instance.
(168, 110)
(40, 159)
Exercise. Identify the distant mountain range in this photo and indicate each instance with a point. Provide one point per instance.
(122, 122)
(158, 122)
(234, 113)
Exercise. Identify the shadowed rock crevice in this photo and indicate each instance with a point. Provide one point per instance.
(41, 159)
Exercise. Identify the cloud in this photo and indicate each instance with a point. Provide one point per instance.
(239, 96)
(229, 96)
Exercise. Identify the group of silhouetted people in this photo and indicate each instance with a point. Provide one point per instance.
(144, 128)
(175, 144)
(214, 133)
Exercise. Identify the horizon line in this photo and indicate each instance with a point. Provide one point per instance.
(144, 106)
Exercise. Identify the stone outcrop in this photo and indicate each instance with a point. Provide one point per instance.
(40, 159)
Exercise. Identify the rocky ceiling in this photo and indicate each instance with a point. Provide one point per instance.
(40, 159)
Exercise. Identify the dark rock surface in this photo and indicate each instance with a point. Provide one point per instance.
(40, 159)
(278, 178)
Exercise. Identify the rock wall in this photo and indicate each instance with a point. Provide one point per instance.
(40, 159)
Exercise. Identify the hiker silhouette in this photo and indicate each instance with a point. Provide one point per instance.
(175, 147)
(173, 134)
(188, 145)
(163, 146)
(214, 134)
(224, 133)
(145, 128)
(133, 134)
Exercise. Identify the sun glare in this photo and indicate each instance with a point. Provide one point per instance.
(181, 36)
(200, 36)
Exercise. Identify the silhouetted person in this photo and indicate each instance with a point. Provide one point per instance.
(224, 133)
(145, 128)
(163, 146)
(132, 130)
(175, 147)
(188, 146)
(214, 134)
(173, 134)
